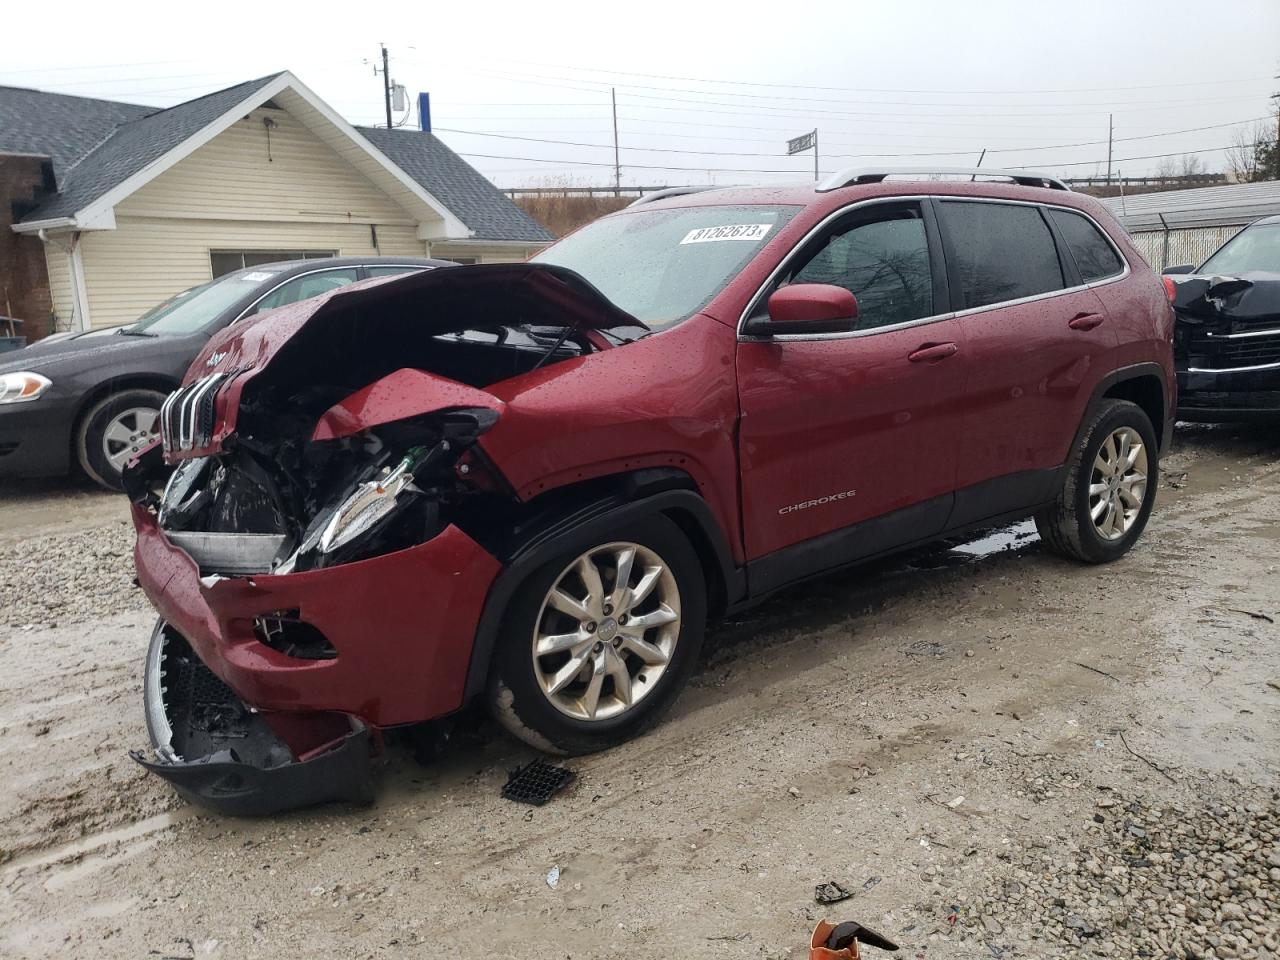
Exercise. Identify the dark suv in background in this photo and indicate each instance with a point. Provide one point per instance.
(93, 397)
(1227, 340)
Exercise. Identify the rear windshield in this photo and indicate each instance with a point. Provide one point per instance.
(662, 266)
(1253, 250)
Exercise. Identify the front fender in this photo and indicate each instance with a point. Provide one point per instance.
(405, 393)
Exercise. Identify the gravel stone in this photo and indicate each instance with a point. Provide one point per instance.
(1197, 882)
(68, 578)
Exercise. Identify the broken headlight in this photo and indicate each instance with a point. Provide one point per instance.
(370, 504)
(186, 494)
(343, 530)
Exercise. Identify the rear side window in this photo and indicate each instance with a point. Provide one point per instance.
(1001, 251)
(306, 286)
(1095, 257)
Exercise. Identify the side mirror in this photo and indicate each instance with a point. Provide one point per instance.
(807, 308)
(1184, 268)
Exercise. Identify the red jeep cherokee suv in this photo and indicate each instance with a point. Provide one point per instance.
(536, 483)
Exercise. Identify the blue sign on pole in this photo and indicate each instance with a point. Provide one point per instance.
(424, 112)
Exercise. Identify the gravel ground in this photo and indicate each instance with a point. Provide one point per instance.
(939, 735)
(1146, 879)
(65, 579)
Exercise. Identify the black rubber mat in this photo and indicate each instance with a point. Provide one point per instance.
(536, 783)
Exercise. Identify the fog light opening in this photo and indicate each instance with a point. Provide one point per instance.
(284, 632)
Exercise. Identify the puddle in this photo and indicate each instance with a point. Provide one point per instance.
(985, 544)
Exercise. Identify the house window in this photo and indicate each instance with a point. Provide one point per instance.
(464, 261)
(228, 261)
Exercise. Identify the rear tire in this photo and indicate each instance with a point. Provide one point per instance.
(1109, 487)
(599, 663)
(115, 429)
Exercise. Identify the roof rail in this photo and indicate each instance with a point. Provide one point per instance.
(668, 192)
(855, 175)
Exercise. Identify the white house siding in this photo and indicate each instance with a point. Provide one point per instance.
(57, 260)
(143, 261)
(230, 195)
(484, 254)
(232, 177)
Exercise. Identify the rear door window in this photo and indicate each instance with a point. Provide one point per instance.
(1000, 251)
(306, 286)
(1095, 257)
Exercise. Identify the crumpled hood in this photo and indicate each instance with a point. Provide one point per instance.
(461, 298)
(1200, 298)
(198, 418)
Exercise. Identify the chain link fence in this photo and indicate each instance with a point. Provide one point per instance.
(1177, 247)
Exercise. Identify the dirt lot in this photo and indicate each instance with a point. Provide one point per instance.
(998, 753)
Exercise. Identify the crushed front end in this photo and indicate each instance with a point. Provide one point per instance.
(317, 528)
(1227, 347)
(297, 620)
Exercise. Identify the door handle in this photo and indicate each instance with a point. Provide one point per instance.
(1085, 321)
(932, 352)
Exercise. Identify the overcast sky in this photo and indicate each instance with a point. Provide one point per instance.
(709, 91)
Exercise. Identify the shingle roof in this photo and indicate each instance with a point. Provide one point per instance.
(58, 126)
(98, 144)
(135, 144)
(459, 186)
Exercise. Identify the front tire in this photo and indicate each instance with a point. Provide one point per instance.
(600, 640)
(114, 430)
(1109, 487)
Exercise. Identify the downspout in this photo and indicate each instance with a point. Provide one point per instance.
(75, 270)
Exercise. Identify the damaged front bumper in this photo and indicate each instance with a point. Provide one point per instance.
(266, 692)
(221, 754)
(386, 640)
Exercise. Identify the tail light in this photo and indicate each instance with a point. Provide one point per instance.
(1170, 290)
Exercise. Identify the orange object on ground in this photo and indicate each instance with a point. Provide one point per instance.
(832, 941)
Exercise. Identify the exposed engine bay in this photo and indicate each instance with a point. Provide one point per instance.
(357, 436)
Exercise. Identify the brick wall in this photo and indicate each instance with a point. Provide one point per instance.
(24, 279)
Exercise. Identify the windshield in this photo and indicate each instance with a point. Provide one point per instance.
(662, 266)
(194, 309)
(1252, 250)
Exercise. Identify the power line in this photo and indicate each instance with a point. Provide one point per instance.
(706, 169)
(753, 110)
(847, 100)
(799, 86)
(846, 156)
(1150, 156)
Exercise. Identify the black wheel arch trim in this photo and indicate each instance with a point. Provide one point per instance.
(1137, 371)
(641, 495)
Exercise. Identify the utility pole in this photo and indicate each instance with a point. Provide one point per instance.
(386, 83)
(617, 166)
(1111, 128)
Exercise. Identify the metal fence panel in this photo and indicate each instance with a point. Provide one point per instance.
(1184, 246)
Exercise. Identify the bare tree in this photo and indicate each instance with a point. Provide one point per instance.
(1243, 156)
(1167, 168)
(1190, 165)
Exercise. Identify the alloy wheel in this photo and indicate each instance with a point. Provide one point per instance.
(1118, 483)
(127, 433)
(606, 631)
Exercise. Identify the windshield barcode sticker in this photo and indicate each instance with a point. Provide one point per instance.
(734, 231)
